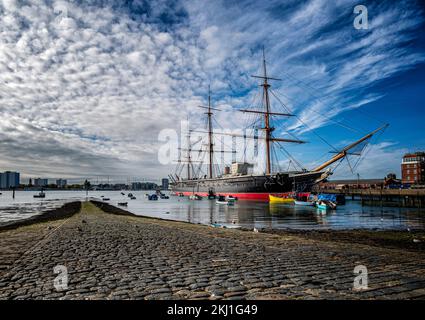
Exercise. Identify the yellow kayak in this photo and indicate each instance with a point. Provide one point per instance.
(275, 199)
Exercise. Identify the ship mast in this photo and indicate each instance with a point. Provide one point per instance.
(209, 114)
(268, 129)
(210, 134)
(189, 157)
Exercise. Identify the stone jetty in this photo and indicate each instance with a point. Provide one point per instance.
(119, 256)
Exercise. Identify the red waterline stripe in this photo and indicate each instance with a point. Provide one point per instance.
(242, 196)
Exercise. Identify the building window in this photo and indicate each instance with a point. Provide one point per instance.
(408, 171)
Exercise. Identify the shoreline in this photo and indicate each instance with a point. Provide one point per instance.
(67, 210)
(394, 239)
(391, 239)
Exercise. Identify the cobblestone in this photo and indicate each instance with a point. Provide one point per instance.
(125, 257)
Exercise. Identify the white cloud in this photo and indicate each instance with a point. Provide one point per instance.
(85, 89)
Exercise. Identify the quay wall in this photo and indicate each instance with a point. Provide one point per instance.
(412, 198)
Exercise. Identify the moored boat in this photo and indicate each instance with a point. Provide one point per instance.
(222, 200)
(304, 203)
(325, 205)
(276, 199)
(195, 197)
(153, 197)
(41, 194)
(338, 199)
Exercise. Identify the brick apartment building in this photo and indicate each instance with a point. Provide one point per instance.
(413, 168)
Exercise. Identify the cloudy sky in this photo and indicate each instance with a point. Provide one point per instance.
(87, 86)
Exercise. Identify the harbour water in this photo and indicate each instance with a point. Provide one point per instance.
(246, 214)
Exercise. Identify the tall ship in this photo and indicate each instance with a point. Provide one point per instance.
(238, 179)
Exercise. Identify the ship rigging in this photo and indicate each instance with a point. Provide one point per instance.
(248, 185)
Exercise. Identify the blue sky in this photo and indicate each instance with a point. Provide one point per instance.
(87, 86)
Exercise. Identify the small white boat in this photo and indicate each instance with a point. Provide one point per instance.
(216, 225)
(195, 197)
(41, 194)
(223, 200)
(304, 203)
(229, 226)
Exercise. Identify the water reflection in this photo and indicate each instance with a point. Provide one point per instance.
(263, 215)
(247, 214)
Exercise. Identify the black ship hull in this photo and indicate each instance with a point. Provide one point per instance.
(254, 187)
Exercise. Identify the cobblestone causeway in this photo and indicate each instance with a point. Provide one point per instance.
(122, 257)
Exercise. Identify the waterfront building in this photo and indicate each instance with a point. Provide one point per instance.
(38, 182)
(165, 184)
(352, 184)
(143, 186)
(9, 179)
(413, 168)
(149, 186)
(61, 183)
